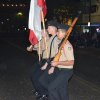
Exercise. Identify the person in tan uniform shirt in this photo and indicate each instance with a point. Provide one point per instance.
(56, 80)
(52, 30)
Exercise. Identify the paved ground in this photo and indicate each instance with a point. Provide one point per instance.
(80, 89)
(15, 65)
(87, 64)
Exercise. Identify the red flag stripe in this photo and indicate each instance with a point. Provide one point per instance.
(32, 38)
(42, 4)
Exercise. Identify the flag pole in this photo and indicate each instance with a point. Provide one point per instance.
(45, 36)
(39, 50)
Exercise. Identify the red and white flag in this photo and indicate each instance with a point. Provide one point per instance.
(35, 20)
(42, 4)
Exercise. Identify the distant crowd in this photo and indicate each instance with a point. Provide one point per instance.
(82, 40)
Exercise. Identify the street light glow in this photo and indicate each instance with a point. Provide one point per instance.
(19, 14)
(88, 23)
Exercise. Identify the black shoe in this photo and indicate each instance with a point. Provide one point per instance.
(43, 97)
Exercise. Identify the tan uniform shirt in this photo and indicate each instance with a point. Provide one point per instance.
(67, 54)
(42, 45)
(54, 48)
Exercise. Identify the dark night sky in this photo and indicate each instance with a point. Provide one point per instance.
(50, 3)
(57, 3)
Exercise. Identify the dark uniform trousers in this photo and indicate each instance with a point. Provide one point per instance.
(35, 74)
(56, 83)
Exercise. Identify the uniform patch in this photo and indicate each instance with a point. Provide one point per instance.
(69, 48)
